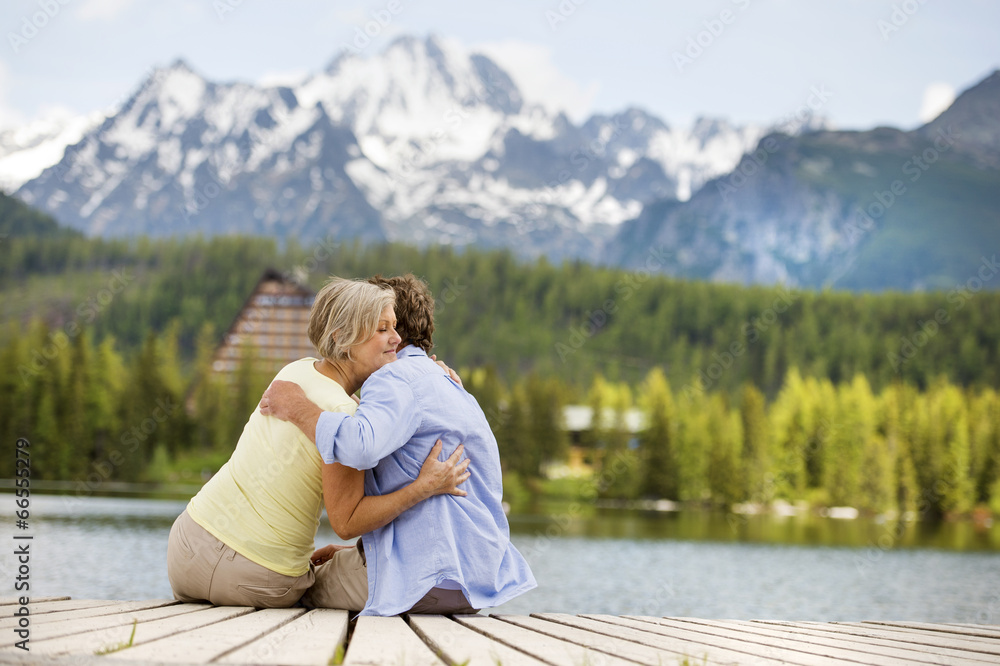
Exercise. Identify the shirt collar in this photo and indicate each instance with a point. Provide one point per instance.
(410, 350)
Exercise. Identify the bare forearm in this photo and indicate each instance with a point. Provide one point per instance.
(305, 415)
(353, 514)
(376, 511)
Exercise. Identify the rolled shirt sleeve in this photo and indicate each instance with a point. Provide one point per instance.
(387, 418)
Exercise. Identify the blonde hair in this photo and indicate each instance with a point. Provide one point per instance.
(346, 313)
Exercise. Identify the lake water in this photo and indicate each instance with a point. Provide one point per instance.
(598, 561)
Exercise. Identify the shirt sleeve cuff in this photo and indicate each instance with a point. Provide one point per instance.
(326, 431)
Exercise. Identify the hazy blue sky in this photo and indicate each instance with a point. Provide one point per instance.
(878, 62)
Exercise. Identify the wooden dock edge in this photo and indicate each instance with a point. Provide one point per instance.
(63, 631)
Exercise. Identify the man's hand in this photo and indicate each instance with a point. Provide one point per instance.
(281, 399)
(443, 478)
(325, 553)
(288, 402)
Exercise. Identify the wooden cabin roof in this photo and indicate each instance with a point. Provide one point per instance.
(273, 323)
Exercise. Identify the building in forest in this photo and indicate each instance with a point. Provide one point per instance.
(272, 325)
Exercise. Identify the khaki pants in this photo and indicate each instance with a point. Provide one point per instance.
(202, 568)
(342, 582)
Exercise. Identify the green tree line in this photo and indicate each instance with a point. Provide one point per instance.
(571, 322)
(94, 415)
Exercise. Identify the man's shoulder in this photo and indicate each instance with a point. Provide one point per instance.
(406, 368)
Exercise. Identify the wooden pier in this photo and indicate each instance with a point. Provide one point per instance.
(117, 633)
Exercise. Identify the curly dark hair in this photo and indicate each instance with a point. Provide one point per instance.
(414, 309)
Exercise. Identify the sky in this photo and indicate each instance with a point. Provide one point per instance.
(859, 63)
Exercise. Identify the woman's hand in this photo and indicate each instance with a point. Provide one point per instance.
(325, 553)
(451, 373)
(443, 478)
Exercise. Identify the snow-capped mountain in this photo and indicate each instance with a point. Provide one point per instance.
(28, 150)
(863, 210)
(422, 143)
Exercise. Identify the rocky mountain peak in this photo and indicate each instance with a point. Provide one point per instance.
(972, 121)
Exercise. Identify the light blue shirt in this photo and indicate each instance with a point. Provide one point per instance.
(444, 541)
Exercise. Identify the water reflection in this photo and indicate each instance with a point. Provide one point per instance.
(604, 561)
(571, 520)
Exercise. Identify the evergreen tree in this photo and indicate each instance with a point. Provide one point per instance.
(546, 432)
(725, 470)
(658, 440)
(855, 427)
(793, 429)
(515, 448)
(756, 460)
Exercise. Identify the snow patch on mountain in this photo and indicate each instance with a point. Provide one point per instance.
(28, 150)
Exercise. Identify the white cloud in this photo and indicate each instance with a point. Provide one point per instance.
(540, 81)
(938, 96)
(102, 9)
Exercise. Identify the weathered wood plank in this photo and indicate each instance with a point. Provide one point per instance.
(547, 648)
(721, 645)
(925, 641)
(46, 631)
(458, 644)
(608, 644)
(973, 625)
(849, 646)
(206, 643)
(67, 604)
(986, 631)
(387, 640)
(96, 641)
(312, 638)
(13, 601)
(93, 611)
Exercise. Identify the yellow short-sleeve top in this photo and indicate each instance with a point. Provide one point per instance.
(266, 501)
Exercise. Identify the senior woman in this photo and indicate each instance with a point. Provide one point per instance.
(247, 537)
